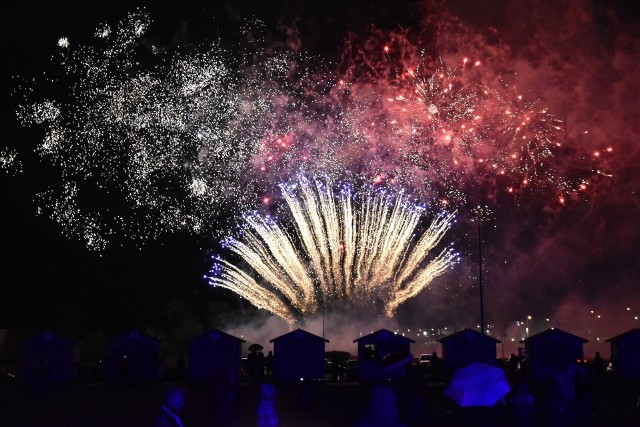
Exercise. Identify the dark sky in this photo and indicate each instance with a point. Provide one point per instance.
(46, 275)
(581, 59)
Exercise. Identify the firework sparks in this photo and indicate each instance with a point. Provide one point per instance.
(199, 136)
(443, 130)
(344, 249)
(9, 162)
(173, 143)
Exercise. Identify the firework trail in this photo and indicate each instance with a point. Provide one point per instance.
(343, 249)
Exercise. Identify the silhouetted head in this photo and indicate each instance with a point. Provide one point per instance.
(268, 391)
(521, 389)
(175, 398)
(571, 368)
(384, 402)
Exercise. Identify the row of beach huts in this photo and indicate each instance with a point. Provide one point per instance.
(135, 357)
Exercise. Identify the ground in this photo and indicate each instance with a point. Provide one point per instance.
(300, 404)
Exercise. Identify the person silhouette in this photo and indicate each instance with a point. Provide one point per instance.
(521, 406)
(559, 406)
(252, 365)
(260, 362)
(435, 367)
(269, 363)
(168, 415)
(512, 367)
(598, 365)
(383, 408)
(181, 367)
(124, 369)
(267, 416)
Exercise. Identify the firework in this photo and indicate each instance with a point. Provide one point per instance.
(182, 141)
(170, 144)
(344, 247)
(9, 162)
(444, 131)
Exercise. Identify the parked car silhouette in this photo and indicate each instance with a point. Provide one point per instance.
(425, 359)
(351, 370)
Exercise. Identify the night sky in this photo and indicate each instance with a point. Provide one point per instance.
(543, 260)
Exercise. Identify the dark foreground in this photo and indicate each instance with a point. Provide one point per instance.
(299, 404)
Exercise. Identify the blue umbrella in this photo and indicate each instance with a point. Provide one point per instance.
(478, 384)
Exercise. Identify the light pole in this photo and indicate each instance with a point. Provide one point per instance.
(480, 278)
(479, 214)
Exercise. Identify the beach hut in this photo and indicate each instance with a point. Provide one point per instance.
(552, 351)
(133, 357)
(298, 355)
(467, 346)
(373, 348)
(214, 353)
(48, 358)
(625, 354)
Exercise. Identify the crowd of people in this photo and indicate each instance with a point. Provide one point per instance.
(564, 399)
